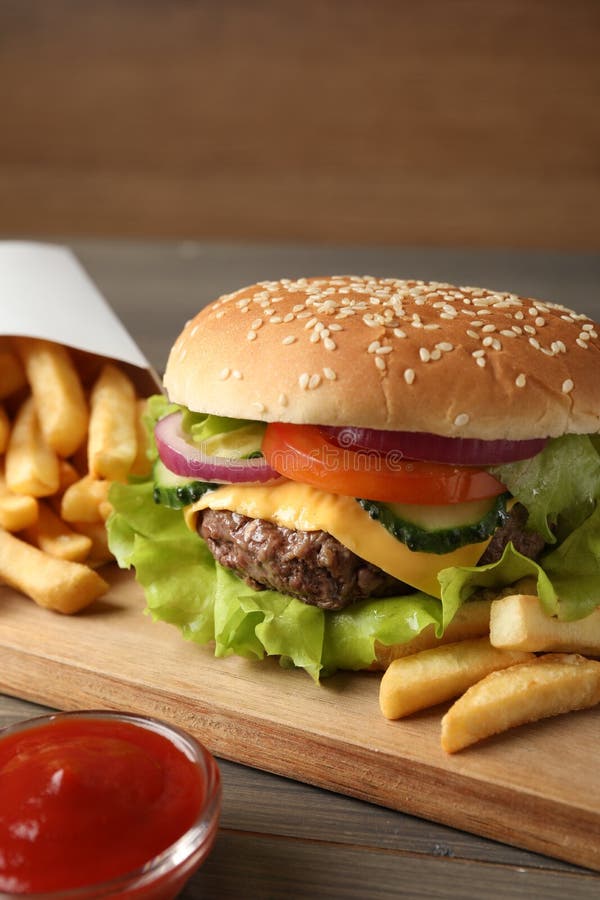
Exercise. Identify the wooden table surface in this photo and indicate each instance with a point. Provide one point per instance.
(279, 838)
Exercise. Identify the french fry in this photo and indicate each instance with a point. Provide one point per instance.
(67, 475)
(82, 500)
(58, 393)
(4, 429)
(31, 465)
(546, 686)
(141, 464)
(53, 536)
(96, 531)
(12, 373)
(472, 620)
(433, 676)
(519, 622)
(112, 440)
(17, 511)
(56, 584)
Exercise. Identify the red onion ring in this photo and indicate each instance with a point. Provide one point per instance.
(433, 447)
(183, 458)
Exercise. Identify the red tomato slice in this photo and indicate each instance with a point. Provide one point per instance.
(302, 453)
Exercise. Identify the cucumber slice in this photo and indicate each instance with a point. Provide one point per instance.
(440, 529)
(176, 491)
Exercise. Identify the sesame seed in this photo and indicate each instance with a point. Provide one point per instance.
(289, 317)
(534, 343)
(540, 321)
(303, 380)
(275, 320)
(521, 380)
(409, 376)
(399, 333)
(529, 329)
(314, 382)
(237, 374)
(424, 354)
(506, 333)
(435, 354)
(314, 337)
(289, 339)
(224, 374)
(445, 346)
(373, 346)
(568, 318)
(380, 363)
(283, 400)
(251, 335)
(256, 324)
(587, 327)
(582, 344)
(329, 344)
(472, 334)
(517, 329)
(329, 374)
(480, 361)
(334, 327)
(567, 386)
(260, 407)
(488, 328)
(461, 419)
(478, 353)
(384, 350)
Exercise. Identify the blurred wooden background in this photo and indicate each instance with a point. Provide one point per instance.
(448, 122)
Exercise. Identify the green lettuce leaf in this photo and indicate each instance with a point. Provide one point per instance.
(561, 482)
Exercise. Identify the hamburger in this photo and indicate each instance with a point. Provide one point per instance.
(341, 462)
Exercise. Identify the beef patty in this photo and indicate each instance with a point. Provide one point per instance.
(314, 567)
(310, 565)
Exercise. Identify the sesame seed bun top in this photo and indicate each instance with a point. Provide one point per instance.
(391, 354)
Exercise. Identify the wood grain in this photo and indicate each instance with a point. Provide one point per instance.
(430, 123)
(332, 736)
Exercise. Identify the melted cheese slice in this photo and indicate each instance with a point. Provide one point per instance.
(304, 508)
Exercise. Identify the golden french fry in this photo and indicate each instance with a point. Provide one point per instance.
(546, 686)
(31, 465)
(519, 622)
(67, 475)
(142, 463)
(53, 536)
(17, 511)
(58, 393)
(112, 440)
(99, 553)
(56, 584)
(82, 500)
(4, 429)
(433, 676)
(12, 374)
(472, 620)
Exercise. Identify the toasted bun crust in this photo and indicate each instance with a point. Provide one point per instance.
(390, 354)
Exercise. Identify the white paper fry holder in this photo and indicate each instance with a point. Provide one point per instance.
(46, 293)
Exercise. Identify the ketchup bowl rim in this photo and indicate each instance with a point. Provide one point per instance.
(195, 842)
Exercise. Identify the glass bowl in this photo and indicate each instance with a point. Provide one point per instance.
(163, 876)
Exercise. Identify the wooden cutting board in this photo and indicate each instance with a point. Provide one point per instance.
(537, 787)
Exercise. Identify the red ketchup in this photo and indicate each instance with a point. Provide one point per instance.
(83, 800)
